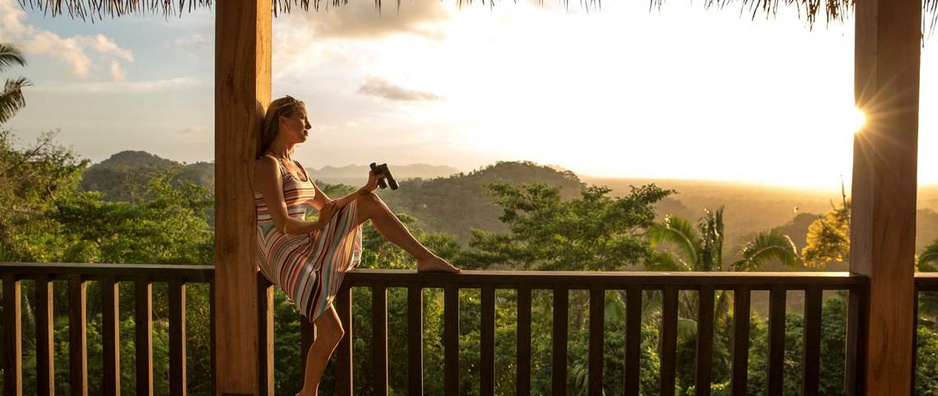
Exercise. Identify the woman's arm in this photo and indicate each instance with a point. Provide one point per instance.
(268, 180)
(321, 199)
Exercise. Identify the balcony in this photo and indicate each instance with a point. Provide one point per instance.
(518, 291)
(880, 342)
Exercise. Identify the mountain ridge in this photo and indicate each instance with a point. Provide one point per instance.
(457, 202)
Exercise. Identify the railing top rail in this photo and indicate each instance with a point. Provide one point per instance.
(475, 279)
(607, 280)
(926, 281)
(120, 272)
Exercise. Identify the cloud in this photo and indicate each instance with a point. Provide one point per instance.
(117, 74)
(194, 130)
(383, 89)
(195, 41)
(83, 54)
(123, 87)
(361, 20)
(11, 25)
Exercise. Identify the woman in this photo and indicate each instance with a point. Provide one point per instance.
(308, 259)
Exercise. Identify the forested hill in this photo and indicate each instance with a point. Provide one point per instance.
(459, 203)
(357, 174)
(124, 176)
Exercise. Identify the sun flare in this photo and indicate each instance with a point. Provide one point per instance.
(854, 120)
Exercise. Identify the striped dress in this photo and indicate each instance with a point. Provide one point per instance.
(308, 267)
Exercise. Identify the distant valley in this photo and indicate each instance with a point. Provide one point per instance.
(443, 199)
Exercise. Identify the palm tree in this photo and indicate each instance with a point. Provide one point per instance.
(928, 259)
(682, 247)
(701, 249)
(11, 98)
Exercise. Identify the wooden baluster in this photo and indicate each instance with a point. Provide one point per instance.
(45, 354)
(451, 340)
(487, 341)
(177, 338)
(213, 334)
(669, 340)
(379, 338)
(559, 361)
(143, 318)
(741, 297)
(597, 339)
(523, 383)
(343, 370)
(704, 339)
(777, 297)
(307, 337)
(12, 336)
(77, 336)
(415, 340)
(111, 336)
(265, 332)
(812, 341)
(633, 339)
(857, 335)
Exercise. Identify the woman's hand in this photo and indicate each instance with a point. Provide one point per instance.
(325, 213)
(372, 184)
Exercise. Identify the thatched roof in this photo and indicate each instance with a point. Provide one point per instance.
(832, 10)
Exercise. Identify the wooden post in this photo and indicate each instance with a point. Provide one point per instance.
(242, 93)
(882, 246)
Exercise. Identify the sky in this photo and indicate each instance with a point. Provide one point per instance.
(676, 92)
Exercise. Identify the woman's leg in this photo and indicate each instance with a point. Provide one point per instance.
(328, 334)
(390, 227)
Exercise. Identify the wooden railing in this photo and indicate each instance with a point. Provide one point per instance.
(108, 276)
(926, 295)
(706, 286)
(633, 284)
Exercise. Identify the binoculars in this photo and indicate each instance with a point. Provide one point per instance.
(383, 169)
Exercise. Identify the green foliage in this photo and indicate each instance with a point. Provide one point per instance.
(125, 176)
(457, 204)
(593, 232)
(926, 358)
(828, 238)
(680, 247)
(166, 220)
(170, 228)
(928, 258)
(767, 246)
(31, 180)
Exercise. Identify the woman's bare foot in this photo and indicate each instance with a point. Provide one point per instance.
(436, 264)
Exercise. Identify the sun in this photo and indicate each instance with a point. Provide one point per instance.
(854, 120)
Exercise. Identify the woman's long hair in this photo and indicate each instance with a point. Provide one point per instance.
(284, 106)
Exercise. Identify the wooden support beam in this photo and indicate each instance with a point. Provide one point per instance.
(882, 246)
(242, 93)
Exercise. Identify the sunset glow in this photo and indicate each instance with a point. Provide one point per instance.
(681, 92)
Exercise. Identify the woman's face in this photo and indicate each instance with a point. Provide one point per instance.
(295, 128)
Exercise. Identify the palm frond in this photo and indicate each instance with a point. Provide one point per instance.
(98, 9)
(679, 232)
(686, 328)
(615, 306)
(928, 259)
(10, 55)
(810, 10)
(665, 261)
(11, 98)
(765, 247)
